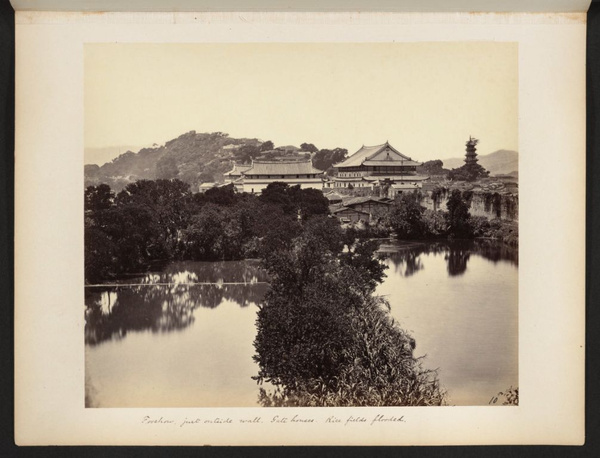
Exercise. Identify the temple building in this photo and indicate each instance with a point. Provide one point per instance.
(262, 173)
(380, 165)
(235, 175)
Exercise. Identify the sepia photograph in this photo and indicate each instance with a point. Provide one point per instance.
(301, 224)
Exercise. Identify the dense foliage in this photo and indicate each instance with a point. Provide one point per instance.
(468, 172)
(324, 159)
(406, 217)
(160, 220)
(324, 339)
(435, 167)
(408, 220)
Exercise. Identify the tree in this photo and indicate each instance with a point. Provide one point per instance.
(267, 146)
(323, 339)
(278, 193)
(203, 238)
(222, 195)
(458, 215)
(406, 216)
(309, 147)
(247, 153)
(167, 202)
(98, 198)
(325, 158)
(135, 234)
(435, 167)
(100, 253)
(312, 202)
(468, 172)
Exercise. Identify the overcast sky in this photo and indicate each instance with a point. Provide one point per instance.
(424, 98)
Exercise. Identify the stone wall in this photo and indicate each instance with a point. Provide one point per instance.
(483, 203)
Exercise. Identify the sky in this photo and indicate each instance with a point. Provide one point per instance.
(426, 99)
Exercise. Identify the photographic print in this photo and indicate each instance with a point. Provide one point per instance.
(301, 224)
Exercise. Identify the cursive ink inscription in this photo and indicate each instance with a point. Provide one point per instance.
(251, 420)
(294, 419)
(352, 419)
(388, 419)
(195, 421)
(277, 419)
(219, 421)
(147, 420)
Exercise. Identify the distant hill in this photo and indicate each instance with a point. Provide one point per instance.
(106, 154)
(499, 162)
(191, 157)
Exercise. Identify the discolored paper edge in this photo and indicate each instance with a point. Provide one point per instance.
(49, 362)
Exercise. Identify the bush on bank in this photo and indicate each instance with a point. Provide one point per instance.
(324, 339)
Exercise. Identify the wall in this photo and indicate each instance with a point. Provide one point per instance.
(483, 203)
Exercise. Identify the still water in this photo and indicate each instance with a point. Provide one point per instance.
(183, 337)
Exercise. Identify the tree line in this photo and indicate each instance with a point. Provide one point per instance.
(160, 220)
(409, 220)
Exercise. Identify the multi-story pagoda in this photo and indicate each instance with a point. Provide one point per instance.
(373, 165)
(471, 155)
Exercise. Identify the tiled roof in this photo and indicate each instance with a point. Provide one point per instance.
(397, 178)
(333, 196)
(360, 200)
(282, 168)
(238, 169)
(349, 209)
(369, 152)
(391, 162)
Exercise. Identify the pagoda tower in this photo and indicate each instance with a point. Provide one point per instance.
(471, 156)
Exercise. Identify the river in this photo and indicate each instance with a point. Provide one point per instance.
(182, 337)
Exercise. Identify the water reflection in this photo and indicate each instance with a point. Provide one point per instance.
(406, 257)
(165, 301)
(459, 301)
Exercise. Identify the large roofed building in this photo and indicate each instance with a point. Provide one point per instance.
(236, 175)
(262, 173)
(378, 165)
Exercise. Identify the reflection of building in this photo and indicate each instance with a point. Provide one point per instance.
(379, 165)
(365, 209)
(262, 173)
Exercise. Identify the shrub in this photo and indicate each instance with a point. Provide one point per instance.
(323, 339)
(458, 215)
(434, 223)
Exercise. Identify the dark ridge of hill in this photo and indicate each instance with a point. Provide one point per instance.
(499, 162)
(191, 157)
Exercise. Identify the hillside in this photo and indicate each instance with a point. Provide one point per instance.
(191, 157)
(499, 162)
(106, 154)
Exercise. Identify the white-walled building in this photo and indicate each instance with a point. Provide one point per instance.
(262, 173)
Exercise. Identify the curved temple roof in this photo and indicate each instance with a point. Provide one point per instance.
(377, 155)
(282, 168)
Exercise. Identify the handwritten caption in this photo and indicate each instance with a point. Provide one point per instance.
(274, 419)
